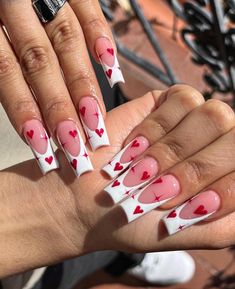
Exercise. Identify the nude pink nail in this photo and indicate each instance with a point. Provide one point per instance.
(126, 156)
(37, 138)
(155, 194)
(192, 211)
(108, 60)
(93, 122)
(74, 148)
(135, 177)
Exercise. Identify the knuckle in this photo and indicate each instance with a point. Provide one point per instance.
(34, 59)
(7, 64)
(21, 105)
(81, 76)
(187, 95)
(195, 172)
(55, 105)
(173, 150)
(95, 23)
(65, 37)
(219, 113)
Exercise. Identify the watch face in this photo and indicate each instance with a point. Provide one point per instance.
(43, 11)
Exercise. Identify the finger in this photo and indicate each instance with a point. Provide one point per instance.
(69, 44)
(179, 101)
(98, 37)
(42, 71)
(22, 109)
(185, 180)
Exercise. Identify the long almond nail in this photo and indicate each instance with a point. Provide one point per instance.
(93, 122)
(126, 156)
(192, 211)
(134, 178)
(71, 141)
(109, 61)
(155, 194)
(37, 138)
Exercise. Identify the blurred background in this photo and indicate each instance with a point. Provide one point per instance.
(160, 43)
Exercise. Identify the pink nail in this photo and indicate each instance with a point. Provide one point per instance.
(108, 60)
(37, 138)
(135, 177)
(126, 156)
(93, 122)
(155, 194)
(70, 140)
(192, 211)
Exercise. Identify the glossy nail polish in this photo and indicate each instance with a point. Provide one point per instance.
(192, 211)
(135, 177)
(37, 138)
(71, 141)
(155, 194)
(126, 156)
(93, 122)
(109, 61)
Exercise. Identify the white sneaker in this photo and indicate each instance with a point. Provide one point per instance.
(165, 268)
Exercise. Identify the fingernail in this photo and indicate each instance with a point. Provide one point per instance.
(192, 211)
(135, 177)
(37, 138)
(74, 148)
(155, 194)
(126, 156)
(93, 122)
(109, 61)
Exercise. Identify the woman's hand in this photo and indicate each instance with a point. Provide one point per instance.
(185, 146)
(37, 97)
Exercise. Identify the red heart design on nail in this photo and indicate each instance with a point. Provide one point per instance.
(172, 214)
(30, 133)
(111, 51)
(145, 176)
(109, 73)
(73, 133)
(99, 132)
(118, 167)
(200, 210)
(138, 210)
(74, 163)
(82, 110)
(135, 144)
(115, 184)
(158, 181)
(49, 160)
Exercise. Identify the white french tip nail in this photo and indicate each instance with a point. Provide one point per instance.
(155, 194)
(113, 74)
(126, 156)
(191, 212)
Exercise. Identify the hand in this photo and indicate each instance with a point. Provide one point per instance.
(189, 140)
(31, 63)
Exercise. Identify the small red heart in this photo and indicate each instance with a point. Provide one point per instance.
(138, 210)
(115, 184)
(74, 163)
(73, 133)
(49, 160)
(145, 176)
(118, 167)
(30, 133)
(99, 132)
(172, 214)
(82, 110)
(200, 210)
(158, 181)
(109, 73)
(111, 51)
(135, 144)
